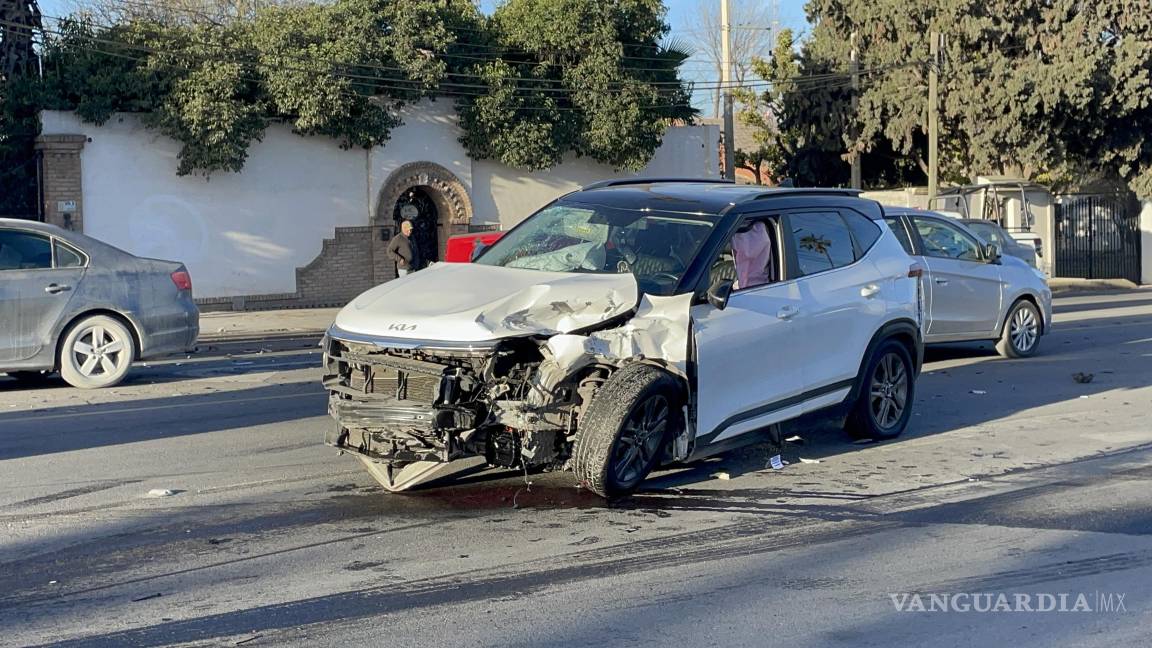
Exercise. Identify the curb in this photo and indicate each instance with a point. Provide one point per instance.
(256, 336)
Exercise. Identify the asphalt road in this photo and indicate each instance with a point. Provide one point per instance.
(1013, 479)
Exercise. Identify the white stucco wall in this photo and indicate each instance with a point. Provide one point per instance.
(429, 134)
(238, 233)
(506, 195)
(246, 233)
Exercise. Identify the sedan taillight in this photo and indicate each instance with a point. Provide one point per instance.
(182, 280)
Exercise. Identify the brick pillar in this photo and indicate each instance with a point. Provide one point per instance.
(61, 179)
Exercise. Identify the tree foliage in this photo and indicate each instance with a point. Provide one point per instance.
(1026, 88)
(539, 80)
(589, 77)
(19, 19)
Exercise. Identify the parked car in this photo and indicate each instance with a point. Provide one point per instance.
(72, 304)
(990, 232)
(971, 291)
(462, 247)
(627, 324)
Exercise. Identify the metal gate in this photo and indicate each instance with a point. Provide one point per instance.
(1097, 237)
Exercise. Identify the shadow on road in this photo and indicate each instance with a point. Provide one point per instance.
(63, 429)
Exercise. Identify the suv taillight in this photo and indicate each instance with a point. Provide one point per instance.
(182, 280)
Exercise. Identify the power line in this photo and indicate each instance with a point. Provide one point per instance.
(676, 85)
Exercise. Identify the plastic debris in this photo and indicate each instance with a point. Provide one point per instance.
(161, 492)
(722, 475)
(796, 438)
(776, 462)
(809, 461)
(978, 392)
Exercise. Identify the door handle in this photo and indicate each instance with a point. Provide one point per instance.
(787, 312)
(870, 291)
(941, 282)
(56, 288)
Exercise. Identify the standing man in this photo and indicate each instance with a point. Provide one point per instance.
(402, 252)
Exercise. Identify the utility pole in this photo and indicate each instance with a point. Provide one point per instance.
(854, 152)
(933, 118)
(726, 84)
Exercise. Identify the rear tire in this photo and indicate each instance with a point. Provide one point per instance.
(624, 429)
(1021, 335)
(96, 352)
(887, 391)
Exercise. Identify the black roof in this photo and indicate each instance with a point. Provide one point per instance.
(686, 196)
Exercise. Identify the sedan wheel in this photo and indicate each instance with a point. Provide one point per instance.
(1021, 333)
(97, 352)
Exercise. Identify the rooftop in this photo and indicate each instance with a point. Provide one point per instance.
(686, 196)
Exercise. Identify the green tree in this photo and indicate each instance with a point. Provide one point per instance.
(1027, 88)
(539, 80)
(591, 77)
(19, 20)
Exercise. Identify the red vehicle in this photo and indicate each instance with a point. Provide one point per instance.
(461, 246)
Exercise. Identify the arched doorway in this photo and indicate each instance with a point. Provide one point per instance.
(417, 205)
(432, 197)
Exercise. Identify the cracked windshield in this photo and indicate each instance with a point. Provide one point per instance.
(656, 247)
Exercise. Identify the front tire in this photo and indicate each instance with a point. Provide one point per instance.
(624, 429)
(887, 390)
(97, 352)
(1021, 335)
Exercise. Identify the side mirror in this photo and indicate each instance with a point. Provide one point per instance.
(478, 249)
(719, 292)
(992, 253)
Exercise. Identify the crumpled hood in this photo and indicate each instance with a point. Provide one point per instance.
(465, 302)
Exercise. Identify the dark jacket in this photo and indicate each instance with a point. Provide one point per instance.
(400, 251)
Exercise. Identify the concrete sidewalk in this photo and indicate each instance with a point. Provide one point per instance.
(243, 325)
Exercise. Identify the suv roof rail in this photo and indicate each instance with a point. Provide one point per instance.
(635, 181)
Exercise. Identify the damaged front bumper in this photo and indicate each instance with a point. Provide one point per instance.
(400, 400)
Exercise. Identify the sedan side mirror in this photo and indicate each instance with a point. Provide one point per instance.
(477, 250)
(719, 292)
(992, 253)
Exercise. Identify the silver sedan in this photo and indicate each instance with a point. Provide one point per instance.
(972, 292)
(72, 304)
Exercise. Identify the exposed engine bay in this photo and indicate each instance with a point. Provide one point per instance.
(516, 402)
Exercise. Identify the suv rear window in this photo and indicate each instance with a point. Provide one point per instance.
(897, 226)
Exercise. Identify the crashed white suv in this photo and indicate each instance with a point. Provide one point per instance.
(629, 324)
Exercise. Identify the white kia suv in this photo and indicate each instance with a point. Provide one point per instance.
(629, 324)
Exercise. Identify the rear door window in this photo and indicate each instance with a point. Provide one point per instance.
(24, 251)
(820, 241)
(66, 257)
